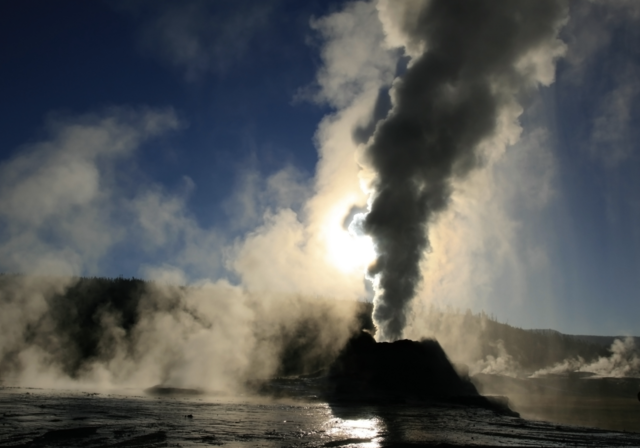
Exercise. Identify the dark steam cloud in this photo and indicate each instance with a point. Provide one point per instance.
(447, 103)
(381, 109)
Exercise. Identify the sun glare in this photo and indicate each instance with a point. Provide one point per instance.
(348, 249)
(364, 432)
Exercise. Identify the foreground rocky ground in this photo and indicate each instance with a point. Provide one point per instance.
(48, 418)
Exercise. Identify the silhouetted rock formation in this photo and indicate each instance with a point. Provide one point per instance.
(406, 368)
(402, 370)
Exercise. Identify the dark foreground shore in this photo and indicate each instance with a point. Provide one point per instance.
(49, 418)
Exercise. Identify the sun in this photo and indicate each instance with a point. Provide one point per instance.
(348, 249)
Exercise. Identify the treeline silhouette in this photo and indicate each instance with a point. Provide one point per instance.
(531, 349)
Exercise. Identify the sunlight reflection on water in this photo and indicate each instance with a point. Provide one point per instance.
(365, 433)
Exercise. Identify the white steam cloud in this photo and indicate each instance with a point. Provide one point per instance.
(624, 362)
(500, 364)
(60, 199)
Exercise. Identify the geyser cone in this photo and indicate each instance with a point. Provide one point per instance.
(403, 368)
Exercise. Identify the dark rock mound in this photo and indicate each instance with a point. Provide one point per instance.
(405, 367)
(400, 370)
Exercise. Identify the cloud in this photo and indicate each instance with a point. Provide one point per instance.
(354, 54)
(590, 31)
(59, 198)
(201, 37)
(613, 135)
(282, 257)
(73, 200)
(255, 194)
(601, 57)
(166, 230)
(307, 250)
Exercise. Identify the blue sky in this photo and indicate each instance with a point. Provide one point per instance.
(207, 137)
(73, 57)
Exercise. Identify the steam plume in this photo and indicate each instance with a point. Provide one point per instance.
(624, 361)
(471, 63)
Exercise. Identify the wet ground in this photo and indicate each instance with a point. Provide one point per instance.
(577, 399)
(48, 418)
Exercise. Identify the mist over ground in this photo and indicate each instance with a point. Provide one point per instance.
(111, 333)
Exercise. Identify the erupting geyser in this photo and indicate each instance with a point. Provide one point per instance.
(471, 63)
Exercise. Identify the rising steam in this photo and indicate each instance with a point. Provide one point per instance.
(60, 331)
(471, 62)
(624, 361)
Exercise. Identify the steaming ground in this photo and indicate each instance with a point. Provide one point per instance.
(61, 331)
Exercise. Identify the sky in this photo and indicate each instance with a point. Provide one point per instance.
(198, 140)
